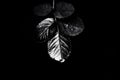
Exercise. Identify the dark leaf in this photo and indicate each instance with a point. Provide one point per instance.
(42, 9)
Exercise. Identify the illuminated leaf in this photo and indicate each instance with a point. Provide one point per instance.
(58, 48)
(43, 28)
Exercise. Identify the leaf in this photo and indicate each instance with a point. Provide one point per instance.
(42, 9)
(73, 27)
(65, 9)
(43, 28)
(58, 47)
(73, 30)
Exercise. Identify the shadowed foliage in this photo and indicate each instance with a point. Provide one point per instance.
(42, 9)
(65, 9)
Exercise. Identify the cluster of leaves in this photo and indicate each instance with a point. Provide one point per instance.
(58, 45)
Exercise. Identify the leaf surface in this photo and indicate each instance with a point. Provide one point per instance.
(58, 47)
(43, 28)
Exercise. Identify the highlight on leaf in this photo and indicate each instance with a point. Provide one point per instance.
(73, 27)
(43, 28)
(73, 30)
(58, 48)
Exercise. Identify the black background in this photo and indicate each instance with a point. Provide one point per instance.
(90, 56)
